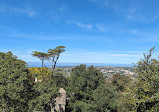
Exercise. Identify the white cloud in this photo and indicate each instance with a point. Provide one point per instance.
(154, 18)
(21, 35)
(86, 26)
(134, 32)
(101, 27)
(63, 7)
(131, 13)
(17, 10)
(118, 57)
(27, 11)
(80, 24)
(39, 37)
(103, 2)
(140, 15)
(140, 36)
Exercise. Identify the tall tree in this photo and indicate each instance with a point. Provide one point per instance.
(54, 55)
(16, 85)
(42, 56)
(145, 97)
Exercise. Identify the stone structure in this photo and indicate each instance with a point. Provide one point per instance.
(60, 102)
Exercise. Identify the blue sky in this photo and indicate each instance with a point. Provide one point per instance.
(93, 31)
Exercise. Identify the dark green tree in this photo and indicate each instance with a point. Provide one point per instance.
(85, 79)
(59, 78)
(16, 85)
(42, 56)
(81, 84)
(106, 98)
(103, 99)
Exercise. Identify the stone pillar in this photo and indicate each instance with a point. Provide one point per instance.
(61, 101)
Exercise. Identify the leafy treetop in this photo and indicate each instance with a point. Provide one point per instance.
(16, 85)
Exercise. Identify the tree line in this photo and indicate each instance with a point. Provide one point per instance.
(87, 89)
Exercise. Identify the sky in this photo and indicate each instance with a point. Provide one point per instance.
(93, 31)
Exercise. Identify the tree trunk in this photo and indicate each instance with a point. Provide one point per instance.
(42, 68)
(56, 62)
(53, 60)
(52, 69)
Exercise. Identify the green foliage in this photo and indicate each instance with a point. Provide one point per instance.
(80, 106)
(59, 78)
(105, 98)
(145, 94)
(122, 85)
(85, 79)
(42, 56)
(19, 93)
(88, 92)
(16, 87)
(56, 51)
(46, 93)
(121, 82)
(47, 89)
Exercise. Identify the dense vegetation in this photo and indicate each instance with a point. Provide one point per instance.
(87, 89)
(16, 85)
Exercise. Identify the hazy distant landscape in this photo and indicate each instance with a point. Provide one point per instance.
(108, 70)
(69, 64)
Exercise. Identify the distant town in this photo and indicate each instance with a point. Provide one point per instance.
(108, 71)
